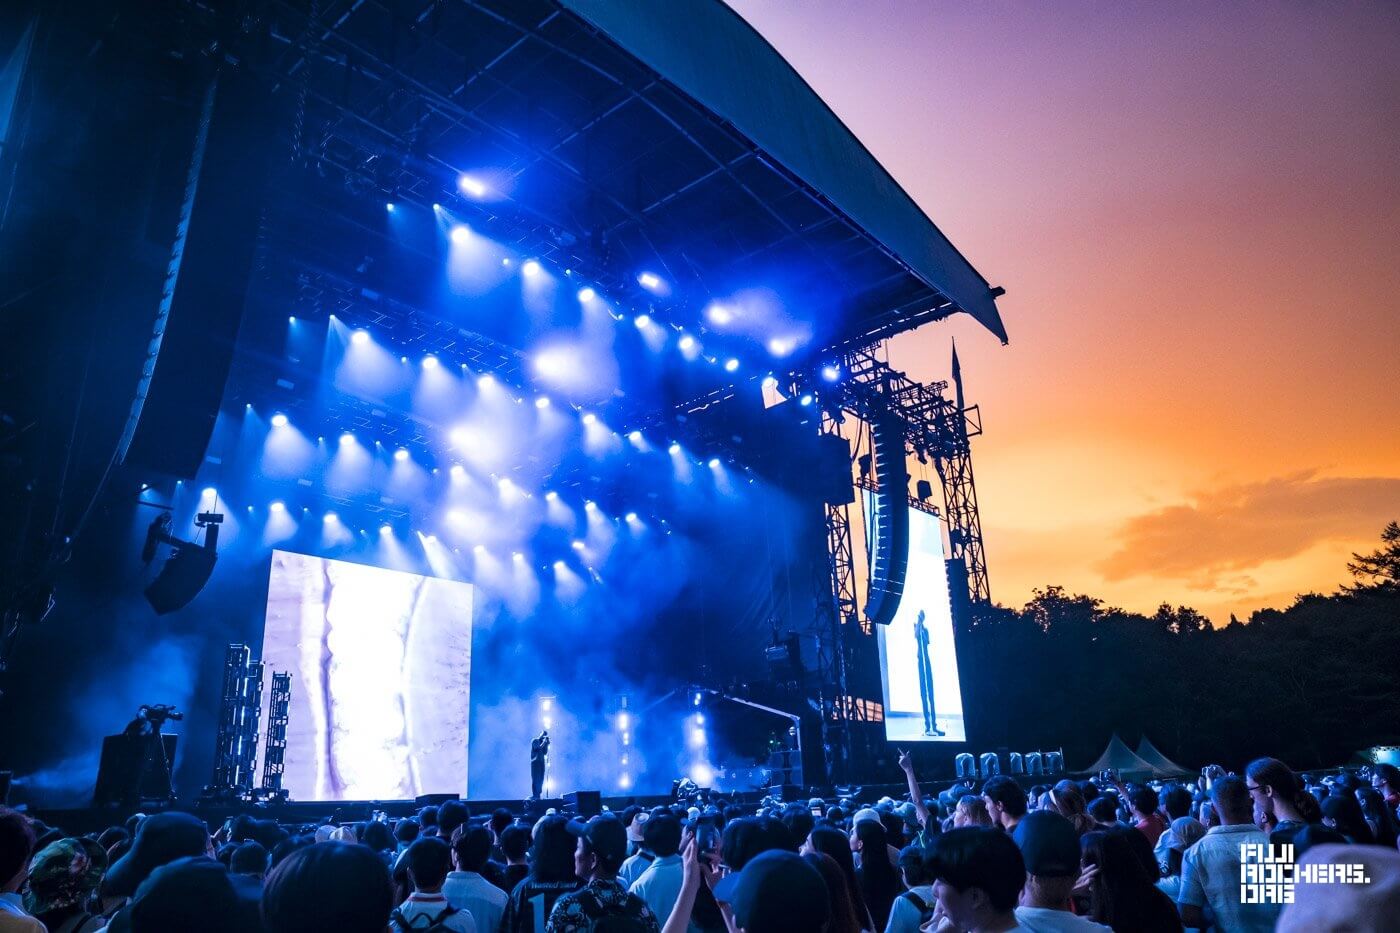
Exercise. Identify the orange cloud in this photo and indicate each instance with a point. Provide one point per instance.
(1212, 541)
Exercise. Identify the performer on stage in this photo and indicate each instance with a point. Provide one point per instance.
(539, 758)
(926, 677)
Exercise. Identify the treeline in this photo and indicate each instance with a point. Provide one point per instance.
(1310, 684)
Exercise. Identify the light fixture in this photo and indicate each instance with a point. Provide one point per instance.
(279, 420)
(586, 294)
(360, 336)
(472, 186)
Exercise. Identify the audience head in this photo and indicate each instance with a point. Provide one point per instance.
(428, 861)
(250, 858)
(450, 815)
(191, 893)
(471, 848)
(1342, 812)
(662, 836)
(1104, 810)
(552, 852)
(328, 886)
(1143, 800)
(378, 836)
(1230, 797)
(428, 818)
(515, 843)
(751, 836)
(980, 874)
(64, 874)
(1005, 800)
(776, 891)
(405, 831)
(16, 845)
(161, 839)
(602, 846)
(913, 865)
(1277, 792)
(971, 811)
(1386, 779)
(1176, 800)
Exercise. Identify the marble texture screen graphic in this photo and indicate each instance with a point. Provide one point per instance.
(381, 668)
(918, 659)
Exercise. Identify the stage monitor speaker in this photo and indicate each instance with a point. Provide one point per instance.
(128, 773)
(181, 579)
(585, 803)
(889, 561)
(192, 345)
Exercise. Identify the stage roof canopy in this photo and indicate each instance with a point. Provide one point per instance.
(619, 136)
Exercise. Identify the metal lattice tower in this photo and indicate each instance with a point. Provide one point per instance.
(236, 742)
(275, 751)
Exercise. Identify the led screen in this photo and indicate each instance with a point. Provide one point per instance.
(918, 663)
(381, 664)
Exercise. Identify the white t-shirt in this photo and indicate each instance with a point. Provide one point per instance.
(467, 890)
(1045, 920)
(433, 905)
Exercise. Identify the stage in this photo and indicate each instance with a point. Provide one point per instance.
(429, 417)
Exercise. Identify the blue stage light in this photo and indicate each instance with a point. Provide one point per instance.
(485, 380)
(542, 402)
(675, 448)
(586, 294)
(330, 518)
(385, 529)
(530, 267)
(360, 336)
(506, 262)
(400, 455)
(472, 186)
(714, 463)
(649, 280)
(437, 206)
(630, 517)
(552, 496)
(781, 346)
(460, 234)
(831, 373)
(687, 342)
(590, 418)
(730, 365)
(634, 436)
(430, 362)
(279, 420)
(210, 492)
(347, 439)
(292, 319)
(805, 400)
(642, 320)
(277, 506)
(389, 206)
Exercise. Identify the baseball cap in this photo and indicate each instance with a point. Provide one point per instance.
(865, 813)
(606, 836)
(1048, 843)
(776, 892)
(907, 812)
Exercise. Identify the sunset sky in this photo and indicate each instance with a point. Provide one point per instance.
(1195, 210)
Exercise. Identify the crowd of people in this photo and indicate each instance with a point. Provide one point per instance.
(1076, 856)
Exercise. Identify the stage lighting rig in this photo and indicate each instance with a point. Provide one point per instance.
(188, 568)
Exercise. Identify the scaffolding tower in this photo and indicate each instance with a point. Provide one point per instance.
(275, 750)
(236, 742)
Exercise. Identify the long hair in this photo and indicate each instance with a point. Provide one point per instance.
(1068, 800)
(844, 917)
(1379, 816)
(1344, 810)
(879, 883)
(552, 852)
(830, 841)
(1278, 777)
(973, 811)
(1123, 895)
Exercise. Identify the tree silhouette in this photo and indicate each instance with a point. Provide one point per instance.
(1380, 568)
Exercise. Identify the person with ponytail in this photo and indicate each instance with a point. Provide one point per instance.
(1281, 805)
